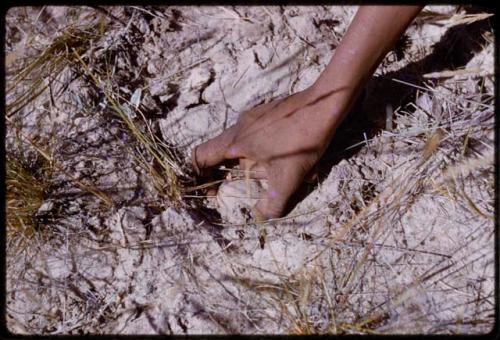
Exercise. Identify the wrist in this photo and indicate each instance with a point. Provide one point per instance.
(334, 100)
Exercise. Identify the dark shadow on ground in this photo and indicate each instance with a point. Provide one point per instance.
(455, 49)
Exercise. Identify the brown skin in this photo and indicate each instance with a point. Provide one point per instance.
(281, 141)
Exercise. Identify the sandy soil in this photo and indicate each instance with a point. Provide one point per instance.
(394, 235)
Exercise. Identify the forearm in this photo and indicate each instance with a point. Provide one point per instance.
(371, 34)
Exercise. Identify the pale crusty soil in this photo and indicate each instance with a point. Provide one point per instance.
(395, 235)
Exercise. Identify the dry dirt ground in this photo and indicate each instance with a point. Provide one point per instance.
(395, 234)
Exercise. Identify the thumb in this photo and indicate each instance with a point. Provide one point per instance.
(213, 151)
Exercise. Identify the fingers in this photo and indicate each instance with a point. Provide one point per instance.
(252, 169)
(282, 184)
(273, 204)
(214, 151)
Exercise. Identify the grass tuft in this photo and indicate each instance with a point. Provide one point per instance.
(35, 78)
(158, 161)
(26, 185)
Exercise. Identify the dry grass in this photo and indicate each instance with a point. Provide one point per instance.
(165, 178)
(431, 17)
(33, 81)
(37, 77)
(442, 161)
(322, 296)
(446, 165)
(26, 183)
(30, 86)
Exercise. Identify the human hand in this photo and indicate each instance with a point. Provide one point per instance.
(279, 141)
(282, 140)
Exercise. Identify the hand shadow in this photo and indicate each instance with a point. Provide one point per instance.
(455, 49)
